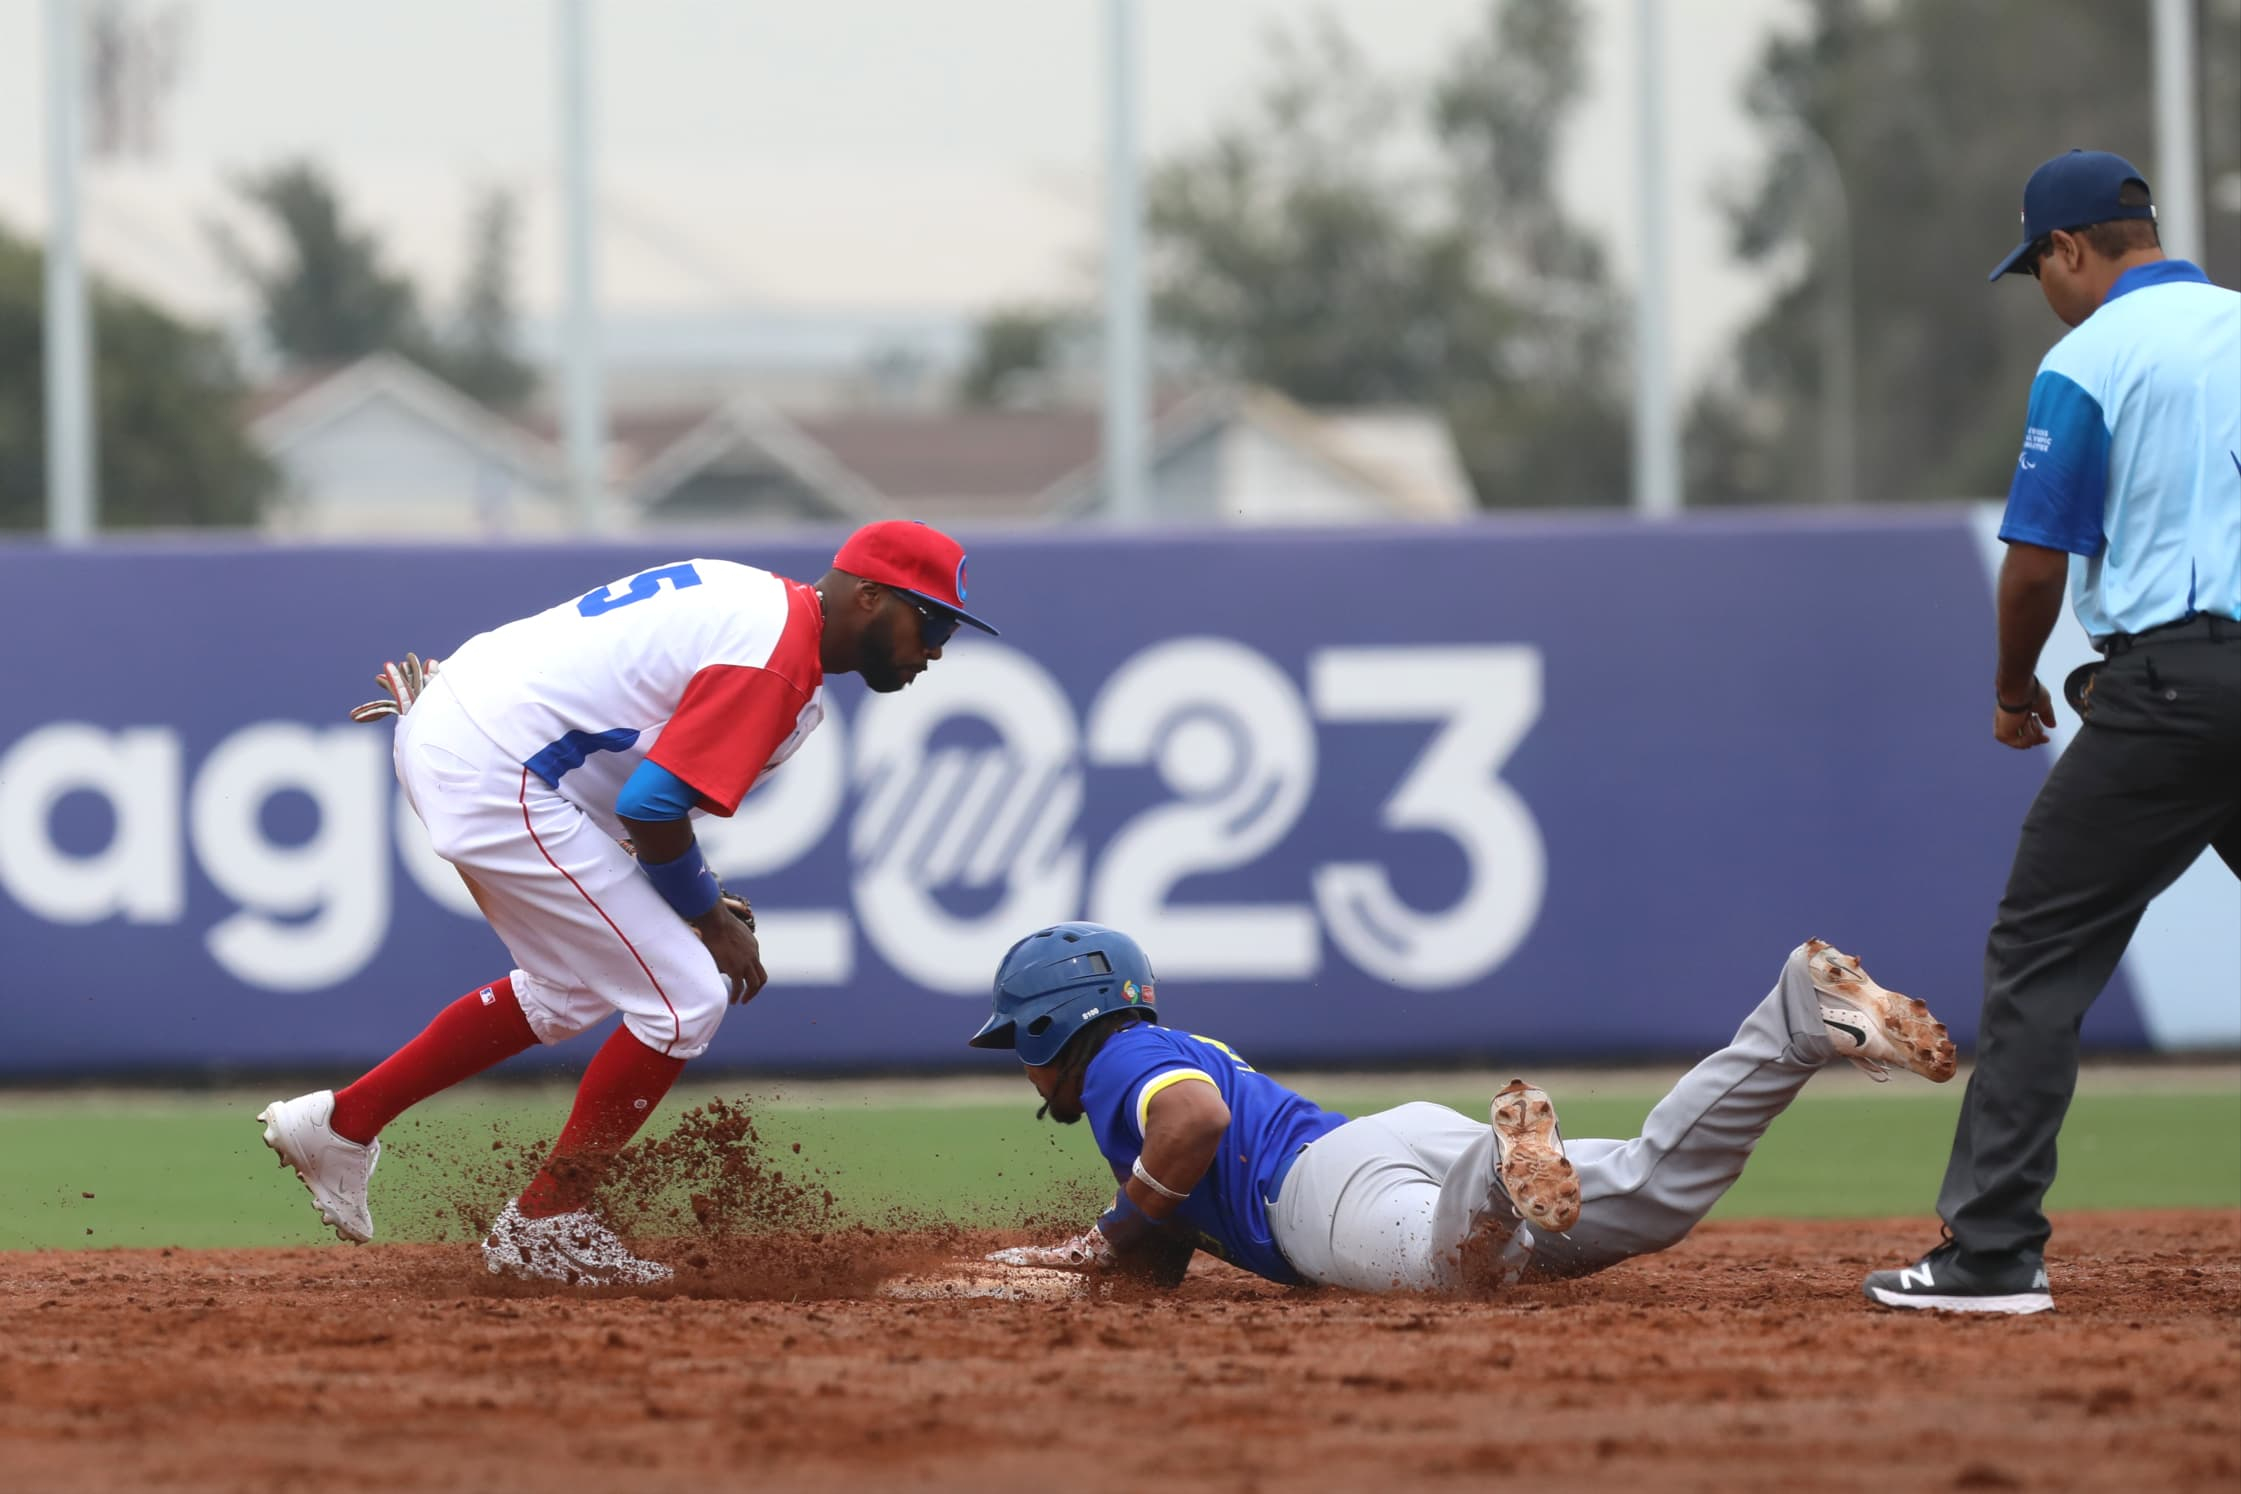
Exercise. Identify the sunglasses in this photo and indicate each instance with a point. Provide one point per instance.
(936, 626)
(2040, 248)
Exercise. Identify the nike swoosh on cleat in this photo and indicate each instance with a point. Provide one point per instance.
(1857, 1034)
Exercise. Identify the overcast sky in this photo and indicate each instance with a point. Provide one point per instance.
(909, 153)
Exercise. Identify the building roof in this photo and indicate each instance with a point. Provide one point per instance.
(298, 408)
(1402, 455)
(864, 464)
(933, 455)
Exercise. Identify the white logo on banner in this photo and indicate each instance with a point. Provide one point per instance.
(969, 789)
(1000, 817)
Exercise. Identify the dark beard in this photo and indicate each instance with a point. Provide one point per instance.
(882, 676)
(1065, 1112)
(880, 668)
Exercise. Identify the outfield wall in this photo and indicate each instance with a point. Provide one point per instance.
(1527, 789)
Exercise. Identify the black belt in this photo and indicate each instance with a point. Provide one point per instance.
(2202, 625)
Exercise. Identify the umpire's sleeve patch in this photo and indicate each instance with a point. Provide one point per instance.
(2059, 493)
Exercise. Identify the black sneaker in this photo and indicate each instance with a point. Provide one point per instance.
(1940, 1281)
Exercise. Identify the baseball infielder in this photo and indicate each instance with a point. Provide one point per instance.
(1212, 1155)
(536, 753)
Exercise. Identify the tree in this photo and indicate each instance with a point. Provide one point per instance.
(1935, 113)
(1015, 351)
(168, 416)
(1299, 249)
(1554, 428)
(1283, 254)
(1306, 246)
(329, 297)
(480, 356)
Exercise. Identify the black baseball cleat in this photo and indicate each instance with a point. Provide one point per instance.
(1940, 1282)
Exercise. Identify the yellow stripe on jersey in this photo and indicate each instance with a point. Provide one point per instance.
(1158, 1082)
(1227, 1051)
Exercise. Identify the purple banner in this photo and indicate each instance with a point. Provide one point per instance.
(1521, 790)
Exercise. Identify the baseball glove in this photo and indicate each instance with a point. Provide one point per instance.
(740, 909)
(404, 682)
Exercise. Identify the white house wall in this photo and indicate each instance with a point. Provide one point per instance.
(1187, 481)
(1267, 481)
(381, 469)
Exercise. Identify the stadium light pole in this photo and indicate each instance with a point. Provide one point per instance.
(1657, 456)
(1839, 412)
(2178, 131)
(583, 413)
(1126, 398)
(68, 376)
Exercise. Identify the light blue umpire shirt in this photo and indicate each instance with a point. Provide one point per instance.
(2131, 454)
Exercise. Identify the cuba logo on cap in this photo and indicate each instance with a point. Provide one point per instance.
(960, 578)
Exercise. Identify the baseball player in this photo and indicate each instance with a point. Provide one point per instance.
(535, 753)
(1212, 1155)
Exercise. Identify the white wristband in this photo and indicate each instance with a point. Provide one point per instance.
(1138, 1171)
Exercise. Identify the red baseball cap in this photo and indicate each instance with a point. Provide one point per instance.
(913, 557)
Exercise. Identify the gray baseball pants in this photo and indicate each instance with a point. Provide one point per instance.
(1388, 1202)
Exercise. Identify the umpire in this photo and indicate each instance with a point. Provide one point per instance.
(2129, 483)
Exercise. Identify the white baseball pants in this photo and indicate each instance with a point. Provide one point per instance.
(589, 933)
(1385, 1203)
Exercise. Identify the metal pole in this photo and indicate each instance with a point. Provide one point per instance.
(584, 409)
(2178, 132)
(71, 474)
(1126, 397)
(1839, 412)
(1657, 457)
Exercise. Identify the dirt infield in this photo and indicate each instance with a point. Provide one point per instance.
(1742, 1360)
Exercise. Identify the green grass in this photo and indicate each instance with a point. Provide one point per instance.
(188, 1170)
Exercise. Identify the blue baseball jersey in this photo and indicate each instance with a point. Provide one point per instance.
(2131, 455)
(1268, 1125)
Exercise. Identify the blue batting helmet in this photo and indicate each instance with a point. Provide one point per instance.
(1058, 980)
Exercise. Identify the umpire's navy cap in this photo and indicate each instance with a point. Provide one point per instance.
(2071, 192)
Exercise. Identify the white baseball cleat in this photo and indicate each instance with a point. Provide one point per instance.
(573, 1248)
(1873, 1027)
(335, 1169)
(1529, 1159)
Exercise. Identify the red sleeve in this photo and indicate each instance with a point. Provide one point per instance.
(729, 723)
(734, 716)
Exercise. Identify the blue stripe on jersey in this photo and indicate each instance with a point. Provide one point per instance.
(652, 792)
(1268, 1124)
(555, 760)
(2061, 485)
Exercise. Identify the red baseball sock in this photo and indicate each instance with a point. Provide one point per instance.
(481, 1028)
(625, 1082)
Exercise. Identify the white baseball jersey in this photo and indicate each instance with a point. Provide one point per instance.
(708, 668)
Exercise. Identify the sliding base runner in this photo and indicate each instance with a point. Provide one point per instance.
(1212, 1155)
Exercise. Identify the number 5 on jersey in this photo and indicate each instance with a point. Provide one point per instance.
(638, 588)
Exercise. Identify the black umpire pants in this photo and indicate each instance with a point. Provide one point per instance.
(2152, 776)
